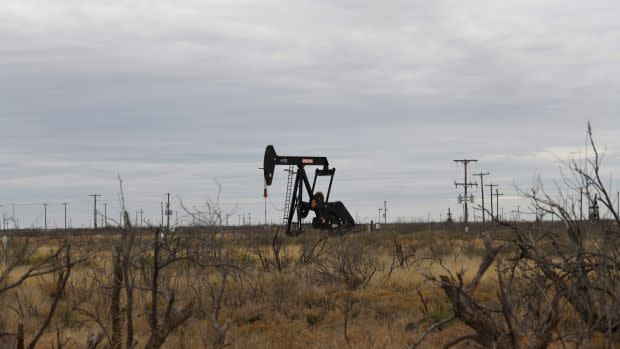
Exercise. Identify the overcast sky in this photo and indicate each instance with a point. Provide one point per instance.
(172, 94)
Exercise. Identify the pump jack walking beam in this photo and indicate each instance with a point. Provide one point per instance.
(328, 214)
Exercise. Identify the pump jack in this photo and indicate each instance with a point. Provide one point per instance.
(329, 215)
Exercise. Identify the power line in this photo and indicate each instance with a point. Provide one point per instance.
(274, 206)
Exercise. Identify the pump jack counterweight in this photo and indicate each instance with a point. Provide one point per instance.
(329, 215)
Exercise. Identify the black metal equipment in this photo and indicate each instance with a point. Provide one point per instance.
(329, 215)
(593, 210)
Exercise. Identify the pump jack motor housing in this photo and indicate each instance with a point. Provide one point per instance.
(329, 215)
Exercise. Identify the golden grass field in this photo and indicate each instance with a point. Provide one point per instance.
(265, 307)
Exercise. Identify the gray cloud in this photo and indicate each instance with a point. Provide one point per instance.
(171, 95)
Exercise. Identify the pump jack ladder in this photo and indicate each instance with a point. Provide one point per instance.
(287, 197)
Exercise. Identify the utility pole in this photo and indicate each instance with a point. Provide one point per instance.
(249, 218)
(65, 205)
(161, 204)
(141, 219)
(497, 195)
(384, 212)
(168, 212)
(481, 175)
(95, 209)
(491, 188)
(465, 185)
(379, 221)
(105, 215)
(265, 197)
(45, 216)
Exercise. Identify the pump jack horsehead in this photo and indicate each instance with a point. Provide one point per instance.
(329, 215)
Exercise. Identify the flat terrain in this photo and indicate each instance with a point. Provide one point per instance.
(248, 288)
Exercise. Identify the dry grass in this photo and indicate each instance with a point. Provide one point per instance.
(290, 308)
